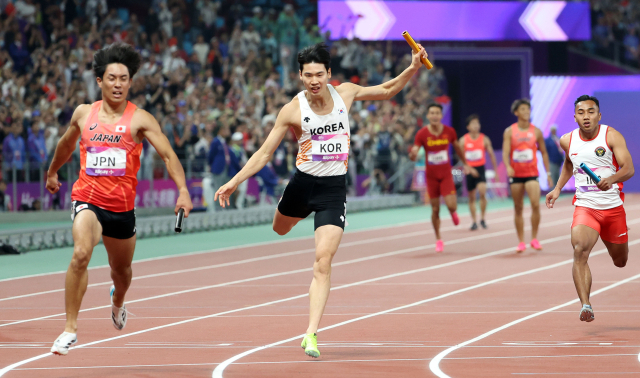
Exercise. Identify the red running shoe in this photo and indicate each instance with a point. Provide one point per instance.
(454, 217)
(535, 244)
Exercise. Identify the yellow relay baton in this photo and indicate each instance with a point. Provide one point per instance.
(415, 48)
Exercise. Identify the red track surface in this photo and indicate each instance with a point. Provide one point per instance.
(395, 344)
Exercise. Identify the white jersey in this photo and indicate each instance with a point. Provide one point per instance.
(597, 155)
(324, 145)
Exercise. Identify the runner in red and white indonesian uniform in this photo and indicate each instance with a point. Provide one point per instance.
(599, 208)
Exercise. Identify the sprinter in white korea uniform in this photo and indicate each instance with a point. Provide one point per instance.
(599, 210)
(319, 117)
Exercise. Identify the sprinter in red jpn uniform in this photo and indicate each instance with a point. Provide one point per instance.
(599, 211)
(476, 146)
(103, 199)
(520, 145)
(436, 139)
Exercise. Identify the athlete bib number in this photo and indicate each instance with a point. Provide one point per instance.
(330, 147)
(473, 155)
(523, 156)
(437, 158)
(106, 161)
(585, 183)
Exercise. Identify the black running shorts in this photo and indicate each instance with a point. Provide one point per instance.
(114, 225)
(472, 182)
(327, 196)
(522, 180)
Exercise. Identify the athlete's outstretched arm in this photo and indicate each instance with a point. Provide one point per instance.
(565, 174)
(619, 147)
(545, 156)
(489, 147)
(66, 146)
(261, 157)
(353, 92)
(151, 130)
(506, 152)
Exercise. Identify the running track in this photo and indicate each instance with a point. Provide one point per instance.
(397, 309)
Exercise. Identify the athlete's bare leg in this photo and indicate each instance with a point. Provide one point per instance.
(327, 241)
(517, 193)
(86, 233)
(452, 202)
(619, 253)
(482, 189)
(583, 239)
(120, 253)
(533, 191)
(435, 215)
(472, 204)
(282, 224)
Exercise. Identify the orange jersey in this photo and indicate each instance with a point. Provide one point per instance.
(474, 150)
(109, 163)
(524, 146)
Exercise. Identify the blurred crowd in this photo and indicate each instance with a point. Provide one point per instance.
(615, 29)
(214, 74)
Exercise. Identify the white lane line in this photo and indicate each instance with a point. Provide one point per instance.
(256, 259)
(581, 373)
(249, 245)
(353, 261)
(217, 373)
(434, 365)
(456, 262)
(288, 362)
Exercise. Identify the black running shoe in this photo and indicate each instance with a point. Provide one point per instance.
(474, 226)
(484, 225)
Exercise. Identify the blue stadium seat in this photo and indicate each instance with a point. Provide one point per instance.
(123, 14)
(187, 47)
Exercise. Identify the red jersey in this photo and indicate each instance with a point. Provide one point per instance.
(524, 146)
(109, 162)
(436, 148)
(474, 150)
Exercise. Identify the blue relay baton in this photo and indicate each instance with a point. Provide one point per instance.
(588, 171)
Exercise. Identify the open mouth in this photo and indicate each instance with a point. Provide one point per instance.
(117, 94)
(315, 90)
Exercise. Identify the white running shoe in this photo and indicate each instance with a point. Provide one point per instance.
(118, 314)
(63, 342)
(586, 314)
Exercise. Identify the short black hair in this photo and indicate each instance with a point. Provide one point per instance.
(434, 105)
(586, 98)
(116, 53)
(516, 104)
(472, 117)
(318, 53)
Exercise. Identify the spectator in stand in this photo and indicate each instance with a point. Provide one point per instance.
(37, 150)
(268, 181)
(631, 44)
(556, 153)
(13, 152)
(238, 159)
(219, 158)
(5, 200)
(173, 62)
(201, 48)
(166, 20)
